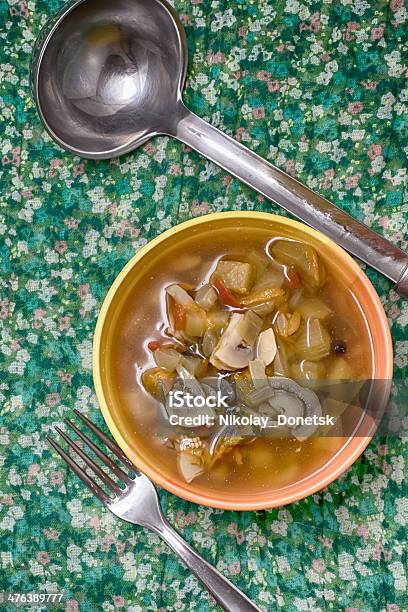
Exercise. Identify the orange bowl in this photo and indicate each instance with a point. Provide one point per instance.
(109, 318)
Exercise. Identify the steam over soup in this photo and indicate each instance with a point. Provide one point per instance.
(261, 318)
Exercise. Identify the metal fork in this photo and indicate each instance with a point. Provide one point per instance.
(137, 502)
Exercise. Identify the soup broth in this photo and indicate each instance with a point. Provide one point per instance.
(178, 318)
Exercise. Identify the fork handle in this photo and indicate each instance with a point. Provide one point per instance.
(226, 594)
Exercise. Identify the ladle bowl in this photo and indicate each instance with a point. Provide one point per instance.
(109, 76)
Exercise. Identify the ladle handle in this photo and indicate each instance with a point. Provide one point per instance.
(299, 200)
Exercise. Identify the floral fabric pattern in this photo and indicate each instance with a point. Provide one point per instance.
(317, 87)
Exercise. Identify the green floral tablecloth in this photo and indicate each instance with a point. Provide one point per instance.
(317, 87)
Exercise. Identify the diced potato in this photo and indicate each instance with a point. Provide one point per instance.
(206, 297)
(261, 457)
(236, 275)
(313, 308)
(303, 257)
(334, 408)
(289, 475)
(340, 370)
(220, 471)
(157, 378)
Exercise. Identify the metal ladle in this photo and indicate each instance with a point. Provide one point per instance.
(108, 76)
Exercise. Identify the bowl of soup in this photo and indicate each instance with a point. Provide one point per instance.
(227, 354)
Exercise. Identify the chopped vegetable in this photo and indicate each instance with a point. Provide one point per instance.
(155, 344)
(247, 334)
(225, 295)
(249, 327)
(264, 309)
(314, 341)
(340, 370)
(188, 466)
(295, 298)
(313, 308)
(179, 316)
(257, 397)
(209, 342)
(232, 351)
(257, 371)
(195, 365)
(167, 358)
(287, 324)
(157, 378)
(186, 318)
(308, 370)
(269, 278)
(195, 323)
(236, 275)
(266, 346)
(206, 297)
(180, 295)
(243, 382)
(280, 363)
(274, 294)
(262, 458)
(218, 319)
(292, 278)
(304, 259)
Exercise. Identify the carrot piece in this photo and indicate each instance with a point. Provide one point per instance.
(153, 345)
(225, 295)
(292, 278)
(179, 316)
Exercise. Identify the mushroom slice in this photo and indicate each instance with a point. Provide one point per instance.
(231, 351)
(288, 403)
(266, 346)
(187, 468)
(308, 398)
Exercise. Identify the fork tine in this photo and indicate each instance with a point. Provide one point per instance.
(111, 484)
(107, 460)
(87, 480)
(107, 441)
